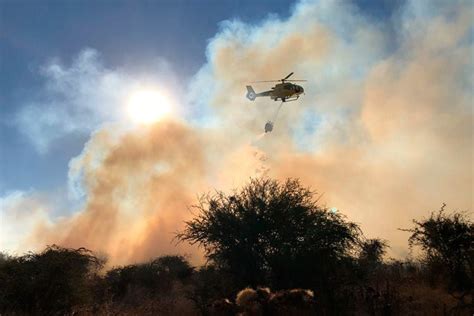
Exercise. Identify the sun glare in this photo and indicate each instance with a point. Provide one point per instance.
(148, 106)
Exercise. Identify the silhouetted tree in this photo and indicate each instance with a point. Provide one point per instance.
(273, 233)
(447, 241)
(57, 280)
(371, 255)
(3, 257)
(130, 284)
(370, 260)
(372, 250)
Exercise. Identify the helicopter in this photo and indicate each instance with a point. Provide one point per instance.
(284, 91)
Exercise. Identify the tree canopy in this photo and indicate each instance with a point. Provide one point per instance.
(53, 281)
(272, 232)
(447, 241)
(147, 279)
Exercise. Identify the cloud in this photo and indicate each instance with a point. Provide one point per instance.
(385, 132)
(21, 213)
(78, 98)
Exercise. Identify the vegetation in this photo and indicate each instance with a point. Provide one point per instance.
(53, 281)
(272, 250)
(273, 234)
(447, 242)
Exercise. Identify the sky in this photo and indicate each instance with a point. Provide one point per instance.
(384, 130)
(127, 34)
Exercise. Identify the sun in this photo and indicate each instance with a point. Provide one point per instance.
(148, 106)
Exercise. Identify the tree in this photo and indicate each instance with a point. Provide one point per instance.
(55, 281)
(152, 288)
(370, 265)
(272, 233)
(372, 252)
(131, 283)
(447, 242)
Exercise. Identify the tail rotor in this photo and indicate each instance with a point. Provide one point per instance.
(251, 95)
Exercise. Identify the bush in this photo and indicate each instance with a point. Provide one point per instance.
(447, 242)
(57, 280)
(128, 284)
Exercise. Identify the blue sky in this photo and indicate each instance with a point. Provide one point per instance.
(127, 34)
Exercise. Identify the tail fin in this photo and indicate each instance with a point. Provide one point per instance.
(251, 95)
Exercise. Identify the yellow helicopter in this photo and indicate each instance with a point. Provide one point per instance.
(284, 91)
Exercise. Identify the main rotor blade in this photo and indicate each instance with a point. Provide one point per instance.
(295, 80)
(288, 76)
(265, 81)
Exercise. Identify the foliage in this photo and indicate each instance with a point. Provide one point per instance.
(447, 241)
(373, 250)
(56, 280)
(148, 278)
(369, 261)
(272, 233)
(269, 234)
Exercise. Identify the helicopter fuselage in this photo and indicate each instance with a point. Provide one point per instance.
(285, 92)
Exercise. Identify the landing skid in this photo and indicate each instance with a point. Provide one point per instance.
(290, 99)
